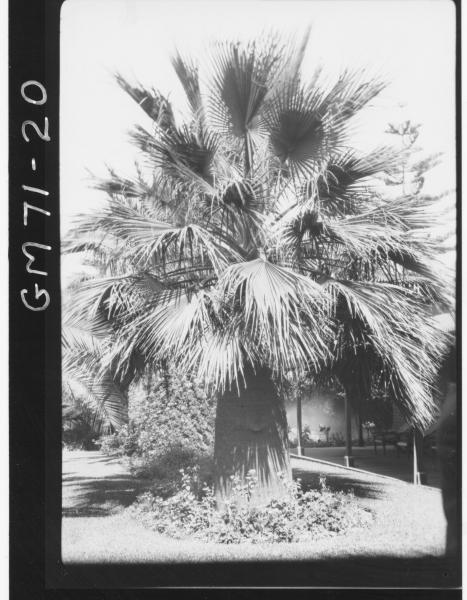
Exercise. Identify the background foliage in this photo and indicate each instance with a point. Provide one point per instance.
(170, 426)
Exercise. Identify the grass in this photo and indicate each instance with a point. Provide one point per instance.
(407, 524)
(409, 521)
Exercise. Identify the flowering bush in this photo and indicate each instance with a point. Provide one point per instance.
(299, 516)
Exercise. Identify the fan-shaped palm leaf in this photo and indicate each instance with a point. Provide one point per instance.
(402, 333)
(185, 156)
(154, 104)
(274, 303)
(188, 74)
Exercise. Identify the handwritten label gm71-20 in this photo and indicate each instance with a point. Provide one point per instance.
(35, 198)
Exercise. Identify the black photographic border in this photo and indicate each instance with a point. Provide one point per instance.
(36, 570)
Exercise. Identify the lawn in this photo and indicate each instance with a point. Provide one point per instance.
(408, 520)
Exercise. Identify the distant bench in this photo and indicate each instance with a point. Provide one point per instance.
(385, 438)
(402, 441)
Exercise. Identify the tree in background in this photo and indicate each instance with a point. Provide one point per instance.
(254, 241)
(87, 381)
(79, 425)
(410, 174)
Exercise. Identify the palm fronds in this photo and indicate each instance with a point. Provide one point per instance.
(154, 104)
(188, 74)
(345, 182)
(306, 124)
(97, 387)
(262, 238)
(402, 333)
(242, 76)
(278, 309)
(183, 155)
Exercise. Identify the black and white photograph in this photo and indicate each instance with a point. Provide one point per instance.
(258, 287)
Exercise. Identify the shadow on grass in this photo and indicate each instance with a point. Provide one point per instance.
(93, 459)
(88, 496)
(341, 482)
(102, 497)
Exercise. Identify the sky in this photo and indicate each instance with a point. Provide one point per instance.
(410, 43)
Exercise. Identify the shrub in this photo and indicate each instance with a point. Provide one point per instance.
(165, 411)
(299, 516)
(123, 442)
(166, 468)
(171, 410)
(171, 427)
(79, 437)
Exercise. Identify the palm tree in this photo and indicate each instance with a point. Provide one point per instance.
(253, 241)
(101, 392)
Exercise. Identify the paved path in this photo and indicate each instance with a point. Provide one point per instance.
(96, 485)
(390, 464)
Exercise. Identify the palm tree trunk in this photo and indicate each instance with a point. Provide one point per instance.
(251, 433)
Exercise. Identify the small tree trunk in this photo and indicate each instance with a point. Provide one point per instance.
(419, 475)
(251, 433)
(299, 426)
(361, 441)
(349, 461)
